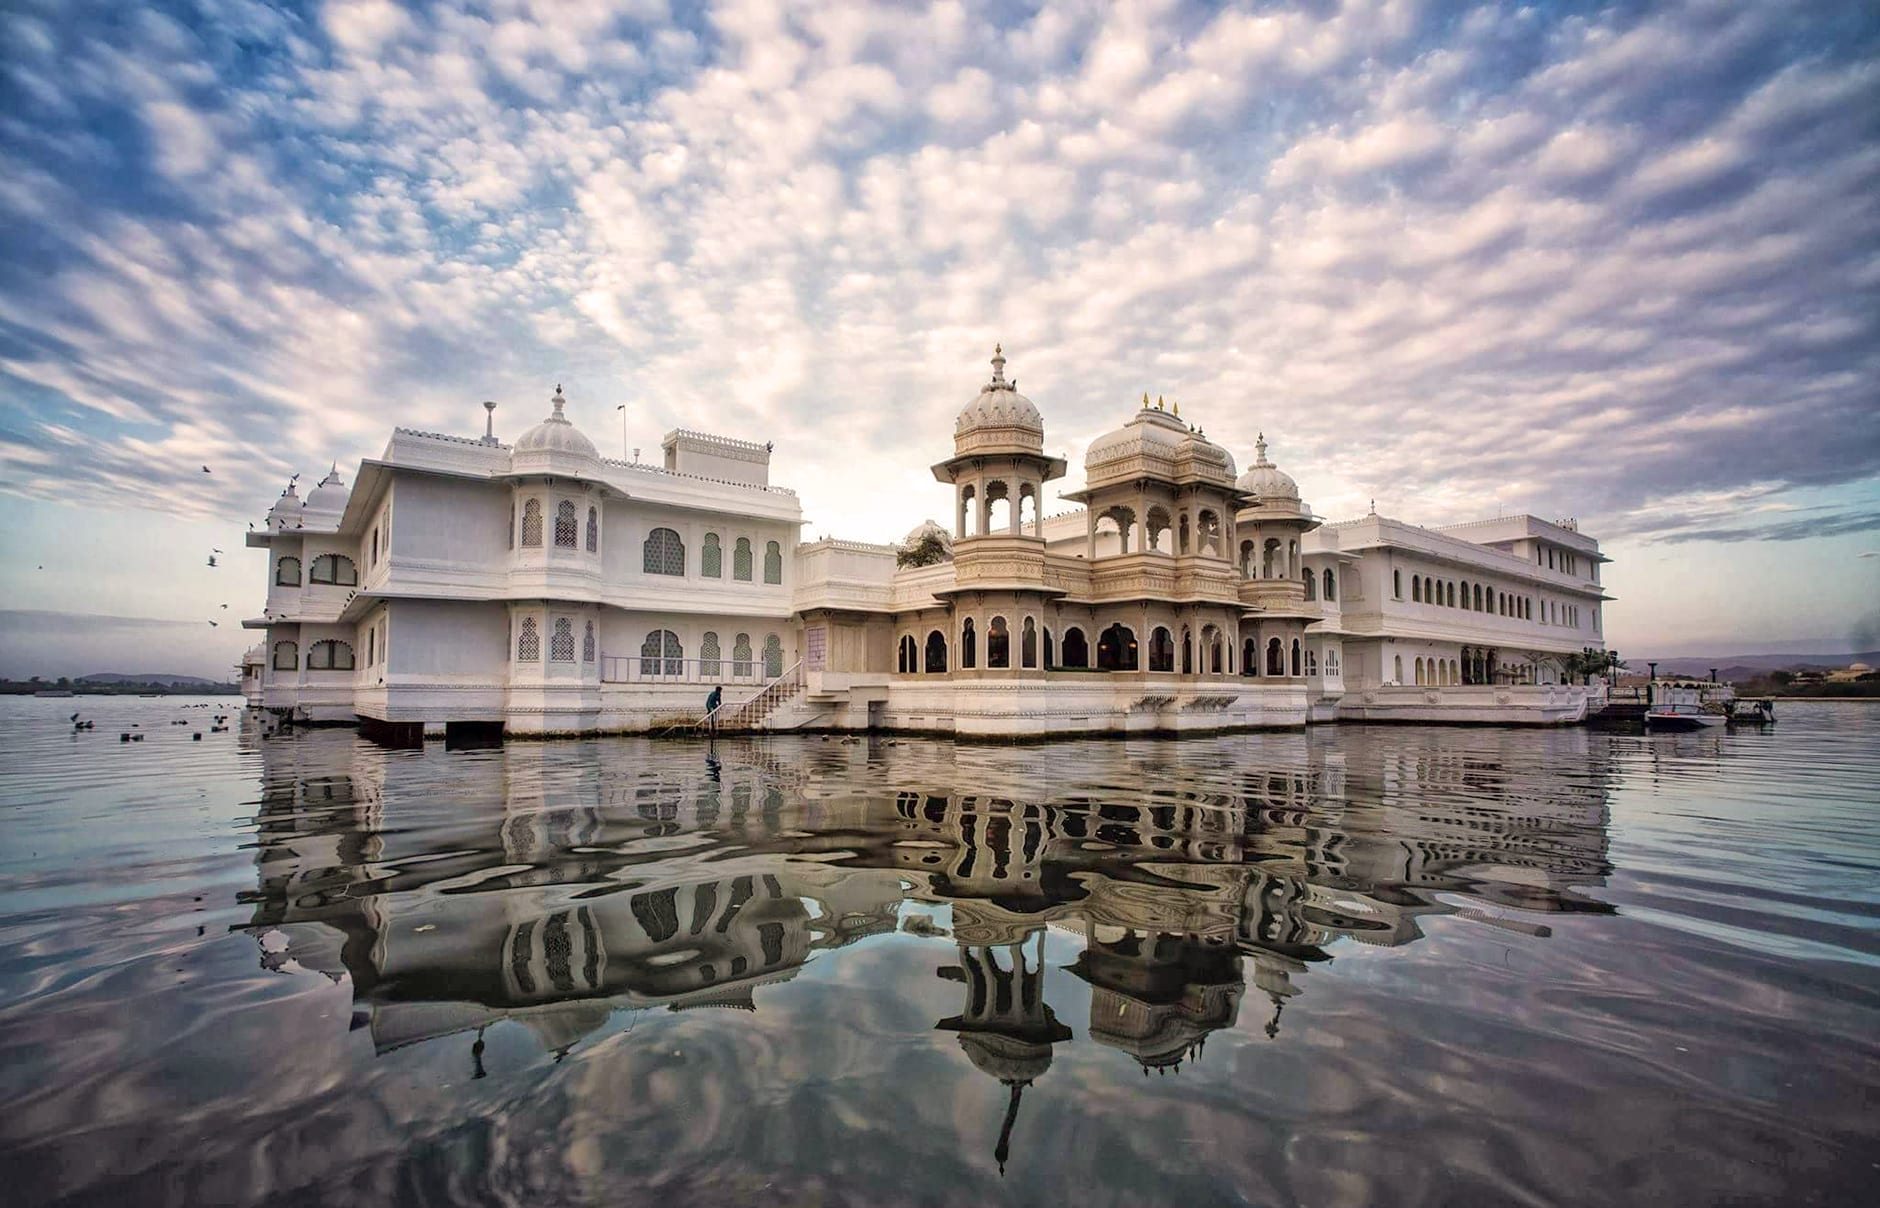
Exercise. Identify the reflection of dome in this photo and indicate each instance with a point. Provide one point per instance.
(1000, 420)
(1007, 1058)
(1266, 480)
(1156, 443)
(330, 496)
(554, 441)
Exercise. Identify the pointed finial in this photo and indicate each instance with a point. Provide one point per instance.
(998, 366)
(1145, 400)
(1178, 408)
(1374, 507)
(558, 400)
(1259, 450)
(1158, 402)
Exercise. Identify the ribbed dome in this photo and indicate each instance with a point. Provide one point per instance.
(330, 496)
(927, 528)
(1205, 458)
(1000, 419)
(1007, 1058)
(555, 444)
(1265, 480)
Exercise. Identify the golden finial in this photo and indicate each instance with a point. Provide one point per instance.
(1145, 400)
(1178, 408)
(1158, 402)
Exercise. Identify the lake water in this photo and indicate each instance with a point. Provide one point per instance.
(1353, 965)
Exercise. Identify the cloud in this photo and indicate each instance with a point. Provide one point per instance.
(1594, 264)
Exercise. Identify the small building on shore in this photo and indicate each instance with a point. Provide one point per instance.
(540, 588)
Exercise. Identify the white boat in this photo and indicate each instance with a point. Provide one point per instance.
(1678, 715)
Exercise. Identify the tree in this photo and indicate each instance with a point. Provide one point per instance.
(930, 549)
(1781, 679)
(1590, 662)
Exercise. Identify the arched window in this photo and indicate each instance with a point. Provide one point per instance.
(936, 653)
(1116, 649)
(741, 560)
(1188, 652)
(712, 558)
(1250, 657)
(708, 661)
(903, 654)
(287, 572)
(330, 655)
(1416, 588)
(1247, 568)
(741, 655)
(561, 641)
(287, 656)
(1295, 656)
(1076, 648)
(1398, 677)
(1330, 586)
(1275, 657)
(1050, 650)
(594, 531)
(773, 656)
(773, 562)
(1028, 644)
(1306, 576)
(587, 644)
(664, 553)
(529, 642)
(1312, 661)
(1161, 649)
(1478, 597)
(565, 525)
(1396, 585)
(661, 654)
(532, 524)
(969, 648)
(998, 644)
(333, 568)
(1465, 593)
(1419, 669)
(1211, 643)
(1452, 595)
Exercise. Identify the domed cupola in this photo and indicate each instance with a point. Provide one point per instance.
(1000, 420)
(287, 510)
(555, 446)
(1266, 481)
(327, 501)
(924, 530)
(1150, 445)
(1201, 458)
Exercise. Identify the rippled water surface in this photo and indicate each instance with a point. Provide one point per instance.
(1354, 965)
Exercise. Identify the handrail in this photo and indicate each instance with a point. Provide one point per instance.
(772, 693)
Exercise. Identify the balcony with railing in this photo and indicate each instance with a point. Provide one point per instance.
(654, 669)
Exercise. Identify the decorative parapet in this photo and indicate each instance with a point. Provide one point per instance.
(646, 467)
(722, 446)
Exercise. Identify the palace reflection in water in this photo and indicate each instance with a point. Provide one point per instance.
(555, 886)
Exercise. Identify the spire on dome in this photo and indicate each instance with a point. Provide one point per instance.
(998, 369)
(1259, 451)
(559, 401)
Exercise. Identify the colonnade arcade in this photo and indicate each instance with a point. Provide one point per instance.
(1165, 526)
(988, 504)
(1006, 639)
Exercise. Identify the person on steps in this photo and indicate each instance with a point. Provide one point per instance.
(711, 706)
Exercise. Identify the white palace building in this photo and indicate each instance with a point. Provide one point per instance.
(544, 589)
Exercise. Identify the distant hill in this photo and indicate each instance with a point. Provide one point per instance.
(141, 677)
(1744, 666)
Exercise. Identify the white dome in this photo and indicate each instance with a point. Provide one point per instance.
(330, 495)
(927, 528)
(286, 511)
(1265, 480)
(1000, 419)
(1157, 444)
(555, 440)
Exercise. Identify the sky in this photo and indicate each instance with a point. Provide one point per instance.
(1616, 262)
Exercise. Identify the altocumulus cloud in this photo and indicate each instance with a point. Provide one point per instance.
(1621, 261)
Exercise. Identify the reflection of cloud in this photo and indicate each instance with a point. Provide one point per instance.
(1599, 261)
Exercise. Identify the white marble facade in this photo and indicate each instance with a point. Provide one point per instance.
(543, 588)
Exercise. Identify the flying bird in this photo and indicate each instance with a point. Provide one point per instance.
(211, 559)
(205, 469)
(213, 625)
(225, 608)
(215, 551)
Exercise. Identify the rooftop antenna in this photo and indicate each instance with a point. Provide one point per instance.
(636, 456)
(622, 408)
(489, 425)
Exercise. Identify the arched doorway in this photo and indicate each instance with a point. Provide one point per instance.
(1161, 650)
(1076, 648)
(1250, 657)
(1116, 649)
(936, 652)
(1275, 657)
